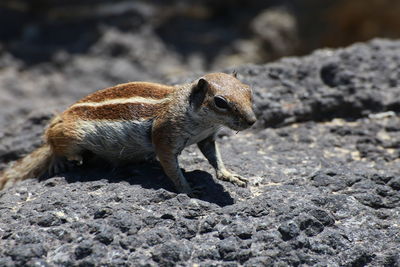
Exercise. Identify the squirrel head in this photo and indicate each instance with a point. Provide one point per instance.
(224, 100)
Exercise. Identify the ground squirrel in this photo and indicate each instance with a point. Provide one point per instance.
(138, 121)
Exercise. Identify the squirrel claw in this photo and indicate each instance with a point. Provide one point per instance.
(232, 178)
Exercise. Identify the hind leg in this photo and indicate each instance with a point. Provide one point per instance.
(64, 158)
(65, 146)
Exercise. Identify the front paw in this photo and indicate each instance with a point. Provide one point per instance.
(233, 178)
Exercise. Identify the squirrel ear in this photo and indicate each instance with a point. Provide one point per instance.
(198, 93)
(234, 73)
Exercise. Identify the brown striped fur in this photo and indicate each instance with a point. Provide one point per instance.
(126, 111)
(132, 89)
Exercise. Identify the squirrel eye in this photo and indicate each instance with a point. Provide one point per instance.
(221, 102)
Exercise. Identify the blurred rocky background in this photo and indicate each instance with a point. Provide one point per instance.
(172, 37)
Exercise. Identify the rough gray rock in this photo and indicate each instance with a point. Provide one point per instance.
(324, 187)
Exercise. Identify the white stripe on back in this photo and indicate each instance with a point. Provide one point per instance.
(131, 100)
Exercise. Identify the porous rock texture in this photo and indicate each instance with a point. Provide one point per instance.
(323, 163)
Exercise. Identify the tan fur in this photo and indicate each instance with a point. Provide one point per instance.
(62, 137)
(137, 121)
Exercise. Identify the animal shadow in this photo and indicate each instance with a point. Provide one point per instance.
(149, 176)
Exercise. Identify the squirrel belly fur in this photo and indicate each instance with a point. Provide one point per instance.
(137, 121)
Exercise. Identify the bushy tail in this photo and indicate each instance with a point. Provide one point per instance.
(31, 166)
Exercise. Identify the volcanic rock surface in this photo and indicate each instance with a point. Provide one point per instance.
(323, 163)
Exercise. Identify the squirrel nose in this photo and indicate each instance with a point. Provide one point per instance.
(251, 120)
